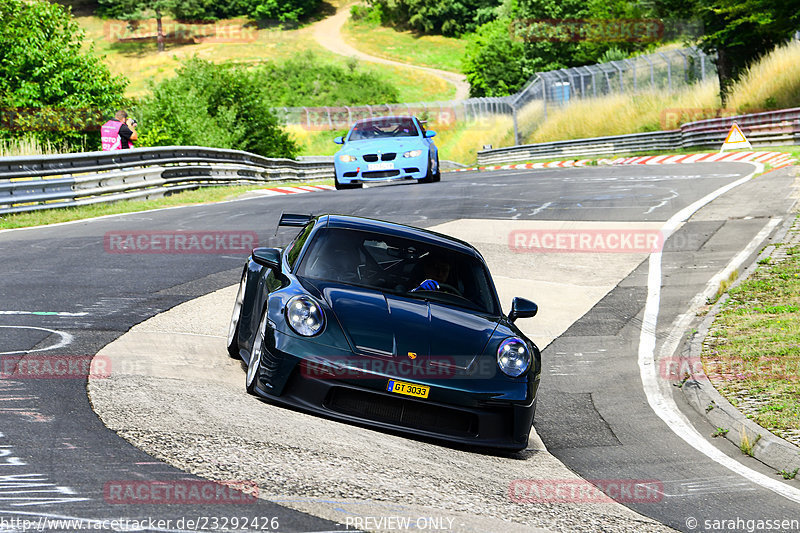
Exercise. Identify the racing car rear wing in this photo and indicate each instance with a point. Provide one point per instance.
(294, 220)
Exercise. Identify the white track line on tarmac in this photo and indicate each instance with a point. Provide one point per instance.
(66, 339)
(663, 405)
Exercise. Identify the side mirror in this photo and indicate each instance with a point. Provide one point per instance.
(339, 140)
(429, 134)
(522, 308)
(268, 257)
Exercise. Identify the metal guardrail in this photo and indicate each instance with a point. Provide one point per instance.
(45, 182)
(761, 129)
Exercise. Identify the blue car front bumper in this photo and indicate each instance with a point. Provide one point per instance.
(360, 171)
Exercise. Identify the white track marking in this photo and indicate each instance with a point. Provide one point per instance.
(664, 405)
(66, 339)
(42, 313)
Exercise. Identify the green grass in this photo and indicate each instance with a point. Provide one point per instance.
(198, 196)
(140, 62)
(753, 352)
(435, 51)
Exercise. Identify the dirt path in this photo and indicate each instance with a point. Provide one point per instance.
(327, 32)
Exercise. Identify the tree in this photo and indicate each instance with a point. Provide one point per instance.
(737, 31)
(45, 74)
(136, 10)
(493, 61)
(452, 17)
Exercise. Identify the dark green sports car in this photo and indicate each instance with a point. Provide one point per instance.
(389, 326)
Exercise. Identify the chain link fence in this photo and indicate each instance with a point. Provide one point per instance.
(670, 71)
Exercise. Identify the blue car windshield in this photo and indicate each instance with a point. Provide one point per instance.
(382, 128)
(399, 265)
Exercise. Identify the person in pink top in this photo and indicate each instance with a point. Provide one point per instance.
(118, 134)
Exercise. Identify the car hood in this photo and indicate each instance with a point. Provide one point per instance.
(387, 325)
(394, 144)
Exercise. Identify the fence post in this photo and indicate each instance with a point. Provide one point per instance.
(516, 127)
(669, 70)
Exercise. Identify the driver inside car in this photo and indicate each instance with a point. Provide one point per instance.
(436, 272)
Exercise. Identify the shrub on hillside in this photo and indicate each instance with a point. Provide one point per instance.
(308, 81)
(206, 104)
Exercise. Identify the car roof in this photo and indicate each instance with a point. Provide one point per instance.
(389, 117)
(398, 230)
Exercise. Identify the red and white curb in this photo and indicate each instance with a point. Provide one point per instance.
(775, 159)
(277, 191)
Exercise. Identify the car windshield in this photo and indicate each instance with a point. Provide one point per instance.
(385, 127)
(399, 266)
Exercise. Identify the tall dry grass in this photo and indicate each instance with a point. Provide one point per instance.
(27, 146)
(619, 114)
(771, 83)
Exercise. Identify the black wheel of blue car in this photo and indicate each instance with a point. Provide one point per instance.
(251, 378)
(233, 329)
(430, 175)
(437, 176)
(343, 186)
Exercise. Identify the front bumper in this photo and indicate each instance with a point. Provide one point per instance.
(471, 412)
(403, 168)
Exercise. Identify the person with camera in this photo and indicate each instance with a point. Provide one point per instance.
(118, 134)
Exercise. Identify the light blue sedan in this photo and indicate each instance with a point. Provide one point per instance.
(386, 149)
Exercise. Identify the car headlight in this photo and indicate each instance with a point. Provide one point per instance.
(305, 316)
(347, 158)
(413, 153)
(513, 357)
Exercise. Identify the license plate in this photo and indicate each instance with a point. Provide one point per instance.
(380, 166)
(409, 389)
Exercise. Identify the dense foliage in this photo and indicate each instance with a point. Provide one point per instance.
(49, 87)
(229, 105)
(308, 81)
(206, 104)
(453, 17)
(282, 10)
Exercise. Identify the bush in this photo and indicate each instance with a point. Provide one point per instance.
(493, 62)
(62, 90)
(307, 81)
(222, 106)
(451, 18)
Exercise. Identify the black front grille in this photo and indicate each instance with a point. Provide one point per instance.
(371, 158)
(402, 412)
(380, 174)
(350, 174)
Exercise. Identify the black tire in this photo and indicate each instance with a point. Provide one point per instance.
(251, 377)
(438, 175)
(236, 318)
(344, 186)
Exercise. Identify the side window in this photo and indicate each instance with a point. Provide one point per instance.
(297, 245)
(421, 127)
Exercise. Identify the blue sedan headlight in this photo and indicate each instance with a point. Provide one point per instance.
(413, 153)
(347, 158)
(305, 316)
(513, 357)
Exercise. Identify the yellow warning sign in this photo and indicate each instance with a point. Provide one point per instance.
(735, 139)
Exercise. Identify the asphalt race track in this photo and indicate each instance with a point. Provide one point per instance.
(63, 293)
